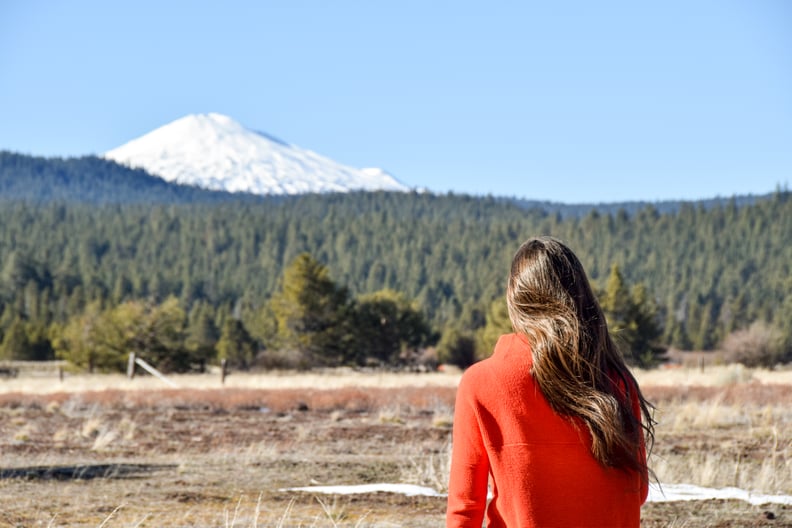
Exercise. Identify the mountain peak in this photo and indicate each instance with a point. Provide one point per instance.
(216, 152)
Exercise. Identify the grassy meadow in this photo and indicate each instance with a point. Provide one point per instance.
(106, 451)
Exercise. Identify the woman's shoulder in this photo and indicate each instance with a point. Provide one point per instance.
(476, 370)
(484, 371)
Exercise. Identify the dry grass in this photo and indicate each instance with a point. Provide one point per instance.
(48, 382)
(329, 379)
(430, 470)
(712, 376)
(737, 435)
(391, 403)
(227, 451)
(225, 458)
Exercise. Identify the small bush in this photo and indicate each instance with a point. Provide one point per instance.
(456, 348)
(759, 345)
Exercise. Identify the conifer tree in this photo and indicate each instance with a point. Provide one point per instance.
(498, 323)
(632, 320)
(91, 341)
(16, 344)
(201, 334)
(456, 347)
(236, 345)
(386, 326)
(164, 330)
(645, 328)
(311, 312)
(615, 301)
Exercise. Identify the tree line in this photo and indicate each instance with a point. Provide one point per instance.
(309, 321)
(706, 272)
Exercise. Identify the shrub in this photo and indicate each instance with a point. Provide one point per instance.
(759, 345)
(456, 348)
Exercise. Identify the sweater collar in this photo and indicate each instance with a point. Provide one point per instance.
(514, 346)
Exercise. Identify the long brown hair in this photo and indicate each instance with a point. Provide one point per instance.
(575, 363)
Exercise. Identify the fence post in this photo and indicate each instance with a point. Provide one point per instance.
(131, 366)
(154, 372)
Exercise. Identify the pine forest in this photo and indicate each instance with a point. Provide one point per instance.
(367, 278)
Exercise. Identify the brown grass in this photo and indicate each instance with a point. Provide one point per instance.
(738, 435)
(224, 453)
(412, 399)
(47, 382)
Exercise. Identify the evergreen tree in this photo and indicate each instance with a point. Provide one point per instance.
(456, 348)
(388, 326)
(498, 323)
(16, 344)
(236, 345)
(201, 335)
(633, 321)
(165, 327)
(645, 328)
(91, 341)
(311, 312)
(783, 324)
(450, 253)
(615, 301)
(104, 339)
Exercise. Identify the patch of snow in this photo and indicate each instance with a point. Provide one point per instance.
(663, 493)
(689, 492)
(215, 152)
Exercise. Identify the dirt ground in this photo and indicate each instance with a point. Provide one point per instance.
(224, 457)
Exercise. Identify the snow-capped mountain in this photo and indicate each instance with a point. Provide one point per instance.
(215, 152)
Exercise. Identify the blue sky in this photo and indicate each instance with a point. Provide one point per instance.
(571, 101)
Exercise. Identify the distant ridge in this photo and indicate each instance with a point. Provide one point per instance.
(95, 181)
(92, 180)
(213, 151)
(568, 210)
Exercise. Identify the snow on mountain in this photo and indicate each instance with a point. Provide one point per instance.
(215, 152)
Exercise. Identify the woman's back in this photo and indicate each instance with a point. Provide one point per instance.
(543, 473)
(554, 416)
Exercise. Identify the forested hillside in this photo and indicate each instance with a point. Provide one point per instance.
(708, 271)
(93, 180)
(98, 181)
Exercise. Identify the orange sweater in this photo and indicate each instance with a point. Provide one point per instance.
(543, 473)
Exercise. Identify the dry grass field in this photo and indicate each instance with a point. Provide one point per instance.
(106, 451)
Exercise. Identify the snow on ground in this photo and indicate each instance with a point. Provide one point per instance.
(688, 492)
(663, 493)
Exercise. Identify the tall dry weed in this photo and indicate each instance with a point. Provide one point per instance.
(431, 470)
(734, 436)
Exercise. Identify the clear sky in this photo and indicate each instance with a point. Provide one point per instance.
(571, 101)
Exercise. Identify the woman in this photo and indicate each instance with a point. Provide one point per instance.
(554, 417)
